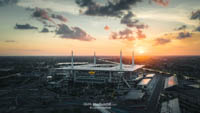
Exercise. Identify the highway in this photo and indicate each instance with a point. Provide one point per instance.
(154, 98)
(8, 76)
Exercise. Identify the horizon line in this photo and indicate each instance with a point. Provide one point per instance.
(87, 55)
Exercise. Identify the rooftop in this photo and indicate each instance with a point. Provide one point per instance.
(69, 63)
(103, 67)
(134, 95)
(150, 75)
(170, 82)
(114, 66)
(171, 106)
(144, 82)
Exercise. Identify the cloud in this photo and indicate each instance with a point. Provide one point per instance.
(127, 19)
(183, 27)
(59, 17)
(46, 14)
(126, 34)
(195, 15)
(161, 41)
(119, 8)
(197, 29)
(112, 8)
(183, 35)
(25, 26)
(73, 33)
(162, 2)
(8, 2)
(130, 22)
(42, 14)
(55, 5)
(106, 28)
(140, 34)
(10, 41)
(45, 30)
(141, 26)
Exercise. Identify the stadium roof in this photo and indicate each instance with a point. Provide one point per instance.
(69, 63)
(103, 67)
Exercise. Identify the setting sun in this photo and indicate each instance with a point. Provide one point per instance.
(141, 51)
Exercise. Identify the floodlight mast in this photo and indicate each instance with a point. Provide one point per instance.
(133, 63)
(72, 60)
(94, 58)
(121, 59)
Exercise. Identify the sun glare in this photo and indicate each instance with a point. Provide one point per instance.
(141, 51)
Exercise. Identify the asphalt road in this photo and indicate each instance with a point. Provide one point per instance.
(153, 101)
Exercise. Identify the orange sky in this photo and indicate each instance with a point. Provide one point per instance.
(162, 22)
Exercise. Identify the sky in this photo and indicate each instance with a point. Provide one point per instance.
(56, 27)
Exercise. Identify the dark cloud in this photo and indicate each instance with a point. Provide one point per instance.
(183, 27)
(10, 41)
(183, 35)
(59, 17)
(73, 33)
(115, 8)
(128, 21)
(161, 41)
(25, 26)
(46, 14)
(112, 8)
(45, 30)
(8, 2)
(162, 2)
(42, 14)
(195, 15)
(46, 23)
(141, 26)
(197, 29)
